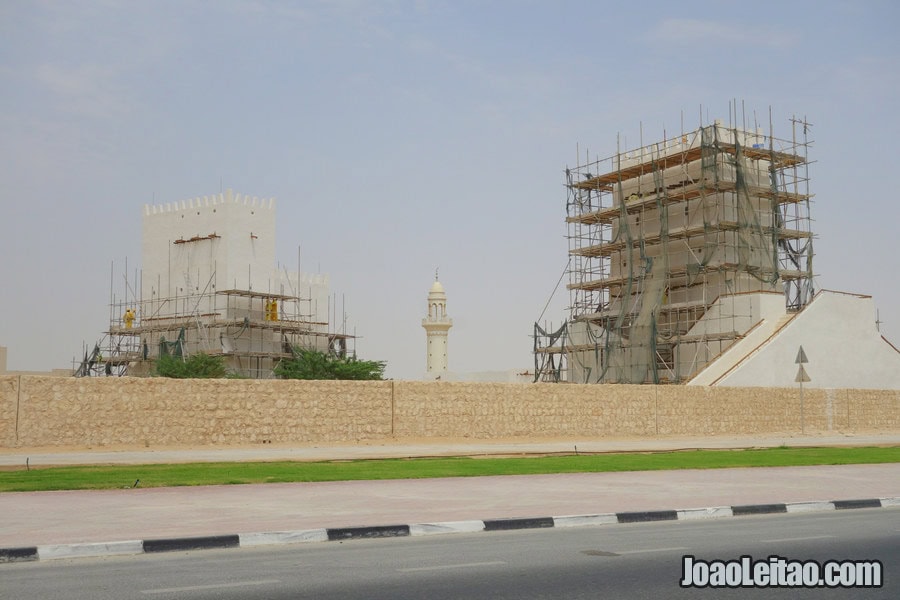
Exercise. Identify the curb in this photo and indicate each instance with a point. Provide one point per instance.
(131, 547)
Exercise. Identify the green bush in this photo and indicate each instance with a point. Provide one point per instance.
(196, 366)
(311, 364)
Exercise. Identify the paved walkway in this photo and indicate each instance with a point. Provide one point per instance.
(67, 517)
(455, 447)
(34, 518)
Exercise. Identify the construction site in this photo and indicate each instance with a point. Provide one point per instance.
(209, 283)
(690, 261)
(674, 245)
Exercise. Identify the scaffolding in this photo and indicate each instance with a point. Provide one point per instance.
(665, 238)
(252, 330)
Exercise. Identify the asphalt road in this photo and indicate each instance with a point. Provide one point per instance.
(616, 561)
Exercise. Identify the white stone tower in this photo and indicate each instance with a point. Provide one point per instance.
(437, 325)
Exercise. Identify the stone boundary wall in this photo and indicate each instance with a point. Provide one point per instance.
(9, 406)
(137, 412)
(498, 410)
(164, 412)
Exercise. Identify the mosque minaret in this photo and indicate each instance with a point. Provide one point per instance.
(437, 325)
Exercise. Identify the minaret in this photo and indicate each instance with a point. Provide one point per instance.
(437, 324)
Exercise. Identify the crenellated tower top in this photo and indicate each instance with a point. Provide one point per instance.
(223, 198)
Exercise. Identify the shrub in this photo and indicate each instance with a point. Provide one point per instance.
(196, 366)
(312, 364)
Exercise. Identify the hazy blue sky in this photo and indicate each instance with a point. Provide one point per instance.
(398, 136)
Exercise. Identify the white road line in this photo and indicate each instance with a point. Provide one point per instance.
(800, 539)
(651, 550)
(446, 567)
(214, 586)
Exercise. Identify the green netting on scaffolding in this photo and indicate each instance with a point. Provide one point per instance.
(757, 244)
(627, 348)
(631, 341)
(548, 366)
(175, 348)
(793, 254)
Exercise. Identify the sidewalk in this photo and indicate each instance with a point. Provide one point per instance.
(69, 517)
(73, 517)
(423, 448)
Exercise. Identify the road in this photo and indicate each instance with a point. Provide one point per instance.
(615, 561)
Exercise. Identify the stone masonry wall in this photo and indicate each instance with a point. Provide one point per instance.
(137, 412)
(9, 394)
(158, 411)
(496, 410)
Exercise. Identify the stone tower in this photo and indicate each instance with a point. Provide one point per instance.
(437, 325)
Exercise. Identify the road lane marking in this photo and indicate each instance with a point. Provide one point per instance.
(213, 586)
(652, 550)
(800, 539)
(446, 567)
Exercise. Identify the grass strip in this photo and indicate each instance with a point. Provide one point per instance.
(170, 475)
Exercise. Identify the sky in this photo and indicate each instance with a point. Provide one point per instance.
(398, 137)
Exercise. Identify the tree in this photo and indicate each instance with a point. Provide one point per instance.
(196, 366)
(312, 364)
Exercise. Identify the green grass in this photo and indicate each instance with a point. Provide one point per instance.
(111, 477)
